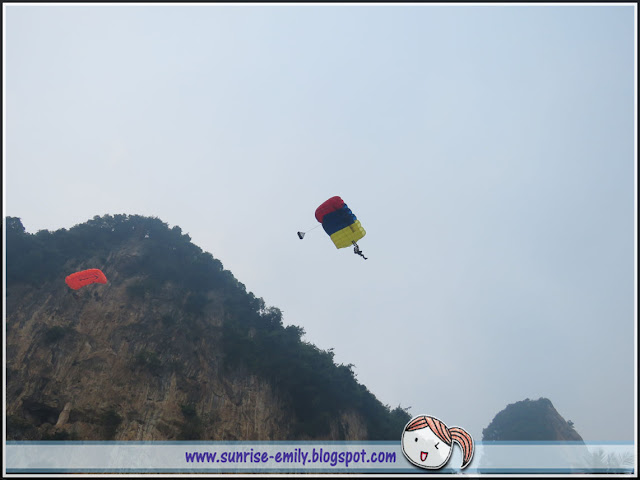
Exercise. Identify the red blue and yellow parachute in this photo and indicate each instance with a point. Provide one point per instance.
(339, 222)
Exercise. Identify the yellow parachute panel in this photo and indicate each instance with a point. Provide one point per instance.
(351, 233)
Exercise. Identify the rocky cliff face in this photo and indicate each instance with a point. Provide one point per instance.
(530, 420)
(106, 364)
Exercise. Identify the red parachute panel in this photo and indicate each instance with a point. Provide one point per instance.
(85, 277)
(331, 205)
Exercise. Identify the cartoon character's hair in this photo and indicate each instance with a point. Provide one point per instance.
(447, 435)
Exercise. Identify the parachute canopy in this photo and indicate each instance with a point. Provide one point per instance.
(85, 277)
(339, 222)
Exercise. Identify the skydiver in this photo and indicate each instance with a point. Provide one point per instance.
(357, 251)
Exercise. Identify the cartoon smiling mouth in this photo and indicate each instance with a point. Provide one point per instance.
(423, 456)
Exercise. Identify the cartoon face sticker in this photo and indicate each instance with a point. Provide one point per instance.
(424, 449)
(427, 442)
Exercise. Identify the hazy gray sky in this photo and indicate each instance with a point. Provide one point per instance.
(487, 150)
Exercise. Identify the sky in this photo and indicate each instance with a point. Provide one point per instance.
(489, 152)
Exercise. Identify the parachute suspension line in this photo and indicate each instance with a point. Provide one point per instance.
(302, 234)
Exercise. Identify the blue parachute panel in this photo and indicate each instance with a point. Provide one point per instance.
(338, 219)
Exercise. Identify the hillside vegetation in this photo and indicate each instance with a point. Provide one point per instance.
(173, 347)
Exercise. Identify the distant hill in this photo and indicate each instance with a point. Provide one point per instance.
(173, 347)
(530, 420)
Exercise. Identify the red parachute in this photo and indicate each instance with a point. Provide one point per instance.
(85, 277)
